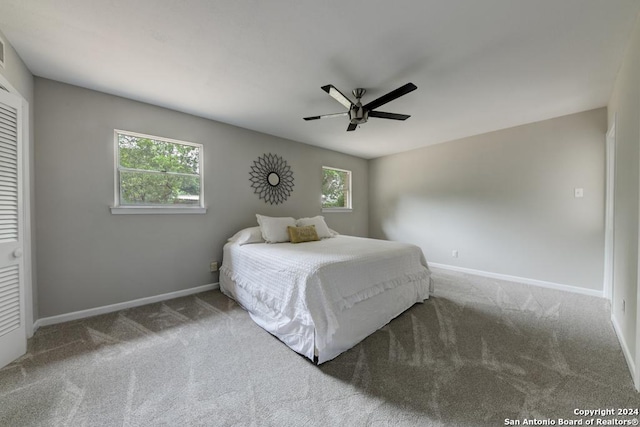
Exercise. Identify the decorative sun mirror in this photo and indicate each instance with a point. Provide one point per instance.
(271, 178)
(274, 179)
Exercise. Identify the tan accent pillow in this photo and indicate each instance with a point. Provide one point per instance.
(302, 234)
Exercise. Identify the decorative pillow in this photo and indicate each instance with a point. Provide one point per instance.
(303, 234)
(247, 236)
(321, 226)
(333, 232)
(274, 229)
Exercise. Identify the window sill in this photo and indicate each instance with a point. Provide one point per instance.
(149, 210)
(337, 210)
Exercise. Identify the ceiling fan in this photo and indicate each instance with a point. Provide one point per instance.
(359, 113)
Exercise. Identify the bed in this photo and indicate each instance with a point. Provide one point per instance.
(323, 297)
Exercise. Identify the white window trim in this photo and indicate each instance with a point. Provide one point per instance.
(337, 210)
(139, 210)
(118, 209)
(349, 194)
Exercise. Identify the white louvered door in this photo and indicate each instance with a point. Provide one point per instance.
(13, 340)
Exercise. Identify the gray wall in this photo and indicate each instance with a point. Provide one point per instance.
(625, 103)
(88, 257)
(504, 200)
(19, 76)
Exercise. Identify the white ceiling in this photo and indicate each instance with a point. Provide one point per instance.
(480, 65)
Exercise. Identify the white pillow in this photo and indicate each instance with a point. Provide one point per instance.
(274, 229)
(321, 226)
(247, 236)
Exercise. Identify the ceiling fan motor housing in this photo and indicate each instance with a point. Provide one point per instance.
(358, 114)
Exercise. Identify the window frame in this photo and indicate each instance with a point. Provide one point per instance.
(118, 208)
(349, 207)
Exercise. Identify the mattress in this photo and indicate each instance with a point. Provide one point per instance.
(302, 293)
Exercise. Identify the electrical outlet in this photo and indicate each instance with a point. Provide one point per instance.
(454, 253)
(214, 266)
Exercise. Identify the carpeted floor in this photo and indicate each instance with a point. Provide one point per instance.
(479, 352)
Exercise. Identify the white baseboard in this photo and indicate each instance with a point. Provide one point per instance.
(626, 352)
(46, 321)
(534, 282)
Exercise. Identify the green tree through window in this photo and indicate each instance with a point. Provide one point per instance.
(158, 172)
(336, 185)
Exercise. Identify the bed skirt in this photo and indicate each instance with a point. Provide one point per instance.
(355, 323)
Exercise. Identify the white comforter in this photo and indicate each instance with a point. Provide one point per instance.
(312, 282)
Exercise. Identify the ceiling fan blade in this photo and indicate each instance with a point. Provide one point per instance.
(327, 116)
(403, 90)
(351, 127)
(337, 95)
(392, 116)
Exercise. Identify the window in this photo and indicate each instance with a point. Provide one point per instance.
(157, 175)
(336, 189)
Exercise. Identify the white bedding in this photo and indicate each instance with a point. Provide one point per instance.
(299, 292)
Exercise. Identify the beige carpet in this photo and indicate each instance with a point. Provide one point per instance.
(478, 352)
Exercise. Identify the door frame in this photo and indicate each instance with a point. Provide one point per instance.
(26, 207)
(610, 180)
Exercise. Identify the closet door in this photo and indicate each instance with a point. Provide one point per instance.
(13, 339)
